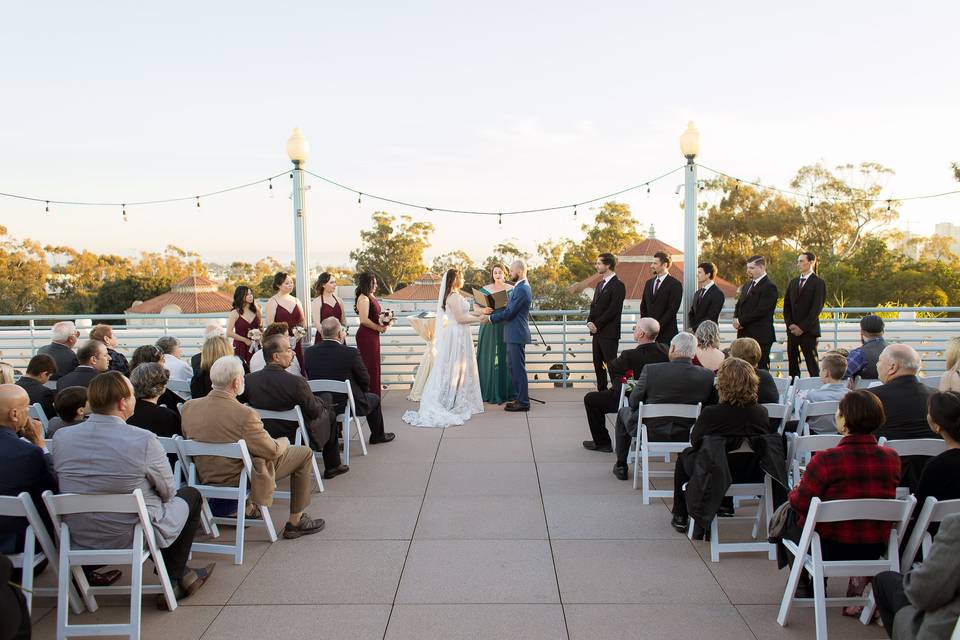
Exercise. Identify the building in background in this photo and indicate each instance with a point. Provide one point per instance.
(195, 294)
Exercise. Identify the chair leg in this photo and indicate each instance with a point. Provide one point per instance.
(27, 569)
(238, 541)
(63, 588)
(346, 441)
(789, 591)
(645, 461)
(866, 616)
(362, 438)
(136, 586)
(715, 540)
(316, 471)
(819, 604)
(268, 523)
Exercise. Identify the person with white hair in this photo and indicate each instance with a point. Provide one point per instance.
(219, 417)
(676, 382)
(63, 339)
(212, 329)
(179, 370)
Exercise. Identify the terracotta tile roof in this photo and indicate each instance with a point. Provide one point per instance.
(195, 294)
(650, 246)
(426, 287)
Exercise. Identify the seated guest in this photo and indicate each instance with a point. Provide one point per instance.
(862, 361)
(7, 375)
(833, 388)
(105, 455)
(749, 349)
(924, 603)
(219, 417)
(332, 359)
(257, 361)
(709, 355)
(62, 342)
(72, 408)
(149, 381)
(676, 382)
(904, 397)
(39, 370)
(153, 353)
(737, 415)
(950, 381)
(275, 389)
(856, 468)
(23, 465)
(600, 403)
(93, 359)
(940, 477)
(214, 348)
(179, 370)
(118, 362)
(212, 329)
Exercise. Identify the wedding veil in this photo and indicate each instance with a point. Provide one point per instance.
(440, 323)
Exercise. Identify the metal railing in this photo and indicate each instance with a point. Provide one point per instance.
(561, 354)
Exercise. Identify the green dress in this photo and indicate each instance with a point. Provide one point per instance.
(496, 387)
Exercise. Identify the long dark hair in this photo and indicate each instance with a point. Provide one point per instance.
(448, 281)
(278, 279)
(240, 300)
(365, 282)
(322, 280)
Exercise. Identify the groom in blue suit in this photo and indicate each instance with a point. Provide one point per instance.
(516, 334)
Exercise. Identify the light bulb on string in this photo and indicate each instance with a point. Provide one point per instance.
(736, 187)
(359, 199)
(500, 219)
(47, 207)
(888, 205)
(574, 211)
(270, 186)
(648, 189)
(198, 202)
(124, 207)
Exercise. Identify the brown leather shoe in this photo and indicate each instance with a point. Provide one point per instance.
(305, 527)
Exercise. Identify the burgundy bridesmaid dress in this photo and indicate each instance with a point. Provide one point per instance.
(368, 343)
(293, 319)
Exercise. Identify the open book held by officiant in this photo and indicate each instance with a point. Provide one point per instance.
(493, 299)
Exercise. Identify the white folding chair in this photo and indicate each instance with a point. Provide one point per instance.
(779, 411)
(784, 385)
(806, 384)
(51, 384)
(71, 560)
(349, 415)
(643, 447)
(931, 381)
(926, 447)
(814, 410)
(22, 506)
(931, 511)
(807, 554)
(301, 438)
(801, 448)
(237, 451)
(764, 492)
(36, 412)
(181, 388)
(622, 402)
(180, 476)
(863, 383)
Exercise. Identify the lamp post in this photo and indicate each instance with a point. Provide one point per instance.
(298, 149)
(690, 147)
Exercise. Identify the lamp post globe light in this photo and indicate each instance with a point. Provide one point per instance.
(689, 147)
(298, 149)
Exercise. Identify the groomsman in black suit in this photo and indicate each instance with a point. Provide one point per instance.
(708, 300)
(604, 319)
(806, 295)
(662, 295)
(753, 315)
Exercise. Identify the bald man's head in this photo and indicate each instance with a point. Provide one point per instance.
(518, 269)
(14, 406)
(646, 330)
(898, 360)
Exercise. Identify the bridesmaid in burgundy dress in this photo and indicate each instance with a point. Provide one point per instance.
(326, 304)
(368, 335)
(244, 316)
(283, 307)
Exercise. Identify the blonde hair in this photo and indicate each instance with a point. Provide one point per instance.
(737, 383)
(6, 373)
(214, 348)
(952, 354)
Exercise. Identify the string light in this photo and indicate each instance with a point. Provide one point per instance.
(888, 205)
(124, 212)
(500, 219)
(648, 189)
(736, 187)
(47, 208)
(359, 198)
(270, 186)
(574, 211)
(198, 202)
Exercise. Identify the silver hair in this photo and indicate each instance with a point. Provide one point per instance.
(708, 335)
(330, 328)
(213, 329)
(167, 344)
(225, 370)
(650, 327)
(149, 380)
(684, 345)
(63, 331)
(904, 356)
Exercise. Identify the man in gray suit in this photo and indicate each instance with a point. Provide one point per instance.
(676, 382)
(106, 455)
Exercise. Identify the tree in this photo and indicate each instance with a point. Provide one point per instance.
(614, 230)
(23, 275)
(257, 276)
(116, 296)
(471, 273)
(393, 253)
(504, 254)
(551, 280)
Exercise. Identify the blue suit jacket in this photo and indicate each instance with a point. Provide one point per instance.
(516, 331)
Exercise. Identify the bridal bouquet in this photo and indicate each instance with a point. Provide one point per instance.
(299, 333)
(387, 317)
(255, 336)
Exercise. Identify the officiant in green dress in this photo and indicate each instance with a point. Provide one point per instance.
(496, 386)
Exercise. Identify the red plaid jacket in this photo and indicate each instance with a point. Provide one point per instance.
(856, 468)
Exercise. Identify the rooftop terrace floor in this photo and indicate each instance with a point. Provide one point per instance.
(503, 528)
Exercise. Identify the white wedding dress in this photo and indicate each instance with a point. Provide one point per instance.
(452, 392)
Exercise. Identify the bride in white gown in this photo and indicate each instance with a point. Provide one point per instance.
(452, 392)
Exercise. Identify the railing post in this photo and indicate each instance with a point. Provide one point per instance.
(566, 372)
(33, 343)
(836, 329)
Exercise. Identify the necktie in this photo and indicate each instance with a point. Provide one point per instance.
(600, 288)
(702, 293)
(656, 286)
(802, 282)
(750, 288)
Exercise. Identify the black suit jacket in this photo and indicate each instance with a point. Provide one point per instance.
(635, 360)
(755, 310)
(23, 467)
(905, 405)
(707, 309)
(676, 382)
(767, 393)
(803, 308)
(330, 360)
(195, 363)
(79, 377)
(606, 309)
(63, 355)
(275, 389)
(39, 394)
(664, 306)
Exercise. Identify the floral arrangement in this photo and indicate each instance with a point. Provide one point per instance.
(387, 317)
(628, 381)
(299, 332)
(255, 336)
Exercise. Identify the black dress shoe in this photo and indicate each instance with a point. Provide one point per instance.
(680, 522)
(517, 407)
(725, 511)
(336, 471)
(590, 445)
(699, 533)
(386, 437)
(620, 470)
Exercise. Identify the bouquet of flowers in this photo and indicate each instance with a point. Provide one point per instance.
(255, 336)
(387, 317)
(299, 333)
(628, 381)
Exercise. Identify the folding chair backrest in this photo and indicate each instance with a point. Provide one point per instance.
(916, 446)
(806, 384)
(290, 415)
(51, 384)
(776, 410)
(668, 410)
(931, 381)
(932, 511)
(897, 511)
(170, 446)
(64, 504)
(783, 386)
(36, 412)
(190, 449)
(862, 383)
(801, 448)
(181, 388)
(814, 410)
(622, 402)
(335, 386)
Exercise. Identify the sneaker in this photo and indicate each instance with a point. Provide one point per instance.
(305, 527)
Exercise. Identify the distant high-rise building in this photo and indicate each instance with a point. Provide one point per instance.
(949, 230)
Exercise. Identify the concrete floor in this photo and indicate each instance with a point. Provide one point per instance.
(503, 528)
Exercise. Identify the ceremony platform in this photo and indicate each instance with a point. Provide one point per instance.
(503, 528)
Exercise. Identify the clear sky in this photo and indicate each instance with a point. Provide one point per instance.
(482, 105)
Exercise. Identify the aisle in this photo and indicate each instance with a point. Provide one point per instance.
(503, 528)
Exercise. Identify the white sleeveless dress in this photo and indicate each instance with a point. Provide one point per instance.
(452, 392)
